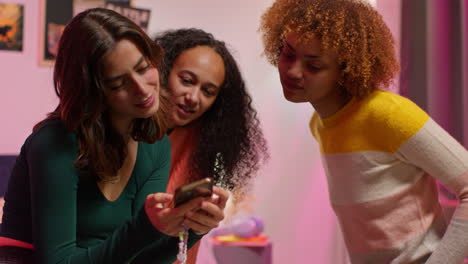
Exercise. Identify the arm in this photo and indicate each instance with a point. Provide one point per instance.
(53, 184)
(441, 156)
(152, 254)
(201, 219)
(165, 249)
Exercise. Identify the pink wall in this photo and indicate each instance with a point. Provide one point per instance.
(26, 89)
(390, 11)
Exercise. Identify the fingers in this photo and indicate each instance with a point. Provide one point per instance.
(210, 213)
(212, 210)
(191, 205)
(196, 227)
(199, 214)
(202, 218)
(161, 216)
(175, 228)
(205, 219)
(223, 196)
(157, 200)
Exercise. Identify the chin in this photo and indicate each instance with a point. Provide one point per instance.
(150, 113)
(178, 122)
(293, 99)
(184, 123)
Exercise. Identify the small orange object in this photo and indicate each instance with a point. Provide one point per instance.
(231, 240)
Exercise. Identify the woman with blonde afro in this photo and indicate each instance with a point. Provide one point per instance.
(382, 154)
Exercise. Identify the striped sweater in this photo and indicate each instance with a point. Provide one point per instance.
(382, 155)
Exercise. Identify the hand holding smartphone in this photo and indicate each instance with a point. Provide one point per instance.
(200, 188)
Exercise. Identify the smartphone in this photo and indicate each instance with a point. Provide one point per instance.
(200, 188)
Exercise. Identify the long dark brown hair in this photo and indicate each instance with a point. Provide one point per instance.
(77, 79)
(231, 145)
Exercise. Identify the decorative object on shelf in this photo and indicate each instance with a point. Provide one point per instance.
(242, 242)
(248, 227)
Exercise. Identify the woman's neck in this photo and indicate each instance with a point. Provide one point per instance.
(122, 126)
(332, 103)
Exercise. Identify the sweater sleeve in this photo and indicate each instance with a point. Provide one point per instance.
(53, 185)
(152, 254)
(158, 155)
(163, 250)
(433, 150)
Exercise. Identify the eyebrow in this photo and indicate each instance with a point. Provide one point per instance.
(193, 75)
(111, 79)
(309, 56)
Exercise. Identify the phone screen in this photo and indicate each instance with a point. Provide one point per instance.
(201, 188)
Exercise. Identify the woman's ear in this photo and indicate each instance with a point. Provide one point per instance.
(342, 78)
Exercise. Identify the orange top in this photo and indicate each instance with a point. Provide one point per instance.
(183, 140)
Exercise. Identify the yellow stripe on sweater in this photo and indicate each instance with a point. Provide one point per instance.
(383, 121)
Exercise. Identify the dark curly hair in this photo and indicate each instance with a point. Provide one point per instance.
(231, 145)
(351, 28)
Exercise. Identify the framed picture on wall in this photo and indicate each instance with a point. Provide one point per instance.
(120, 2)
(55, 14)
(140, 16)
(11, 27)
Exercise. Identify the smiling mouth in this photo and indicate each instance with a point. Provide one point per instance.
(185, 109)
(146, 103)
(292, 86)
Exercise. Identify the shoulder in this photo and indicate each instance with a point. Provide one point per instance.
(392, 117)
(51, 137)
(396, 112)
(153, 161)
(50, 152)
(159, 151)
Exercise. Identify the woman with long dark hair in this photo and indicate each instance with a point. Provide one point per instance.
(89, 183)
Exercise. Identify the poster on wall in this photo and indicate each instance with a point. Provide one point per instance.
(56, 14)
(82, 5)
(120, 2)
(11, 27)
(140, 16)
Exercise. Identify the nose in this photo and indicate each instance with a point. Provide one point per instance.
(295, 70)
(193, 95)
(140, 86)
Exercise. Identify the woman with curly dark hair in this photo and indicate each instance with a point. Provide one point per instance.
(382, 153)
(216, 132)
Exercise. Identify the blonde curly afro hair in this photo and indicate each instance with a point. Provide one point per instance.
(351, 28)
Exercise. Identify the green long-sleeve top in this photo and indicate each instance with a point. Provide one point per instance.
(65, 215)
